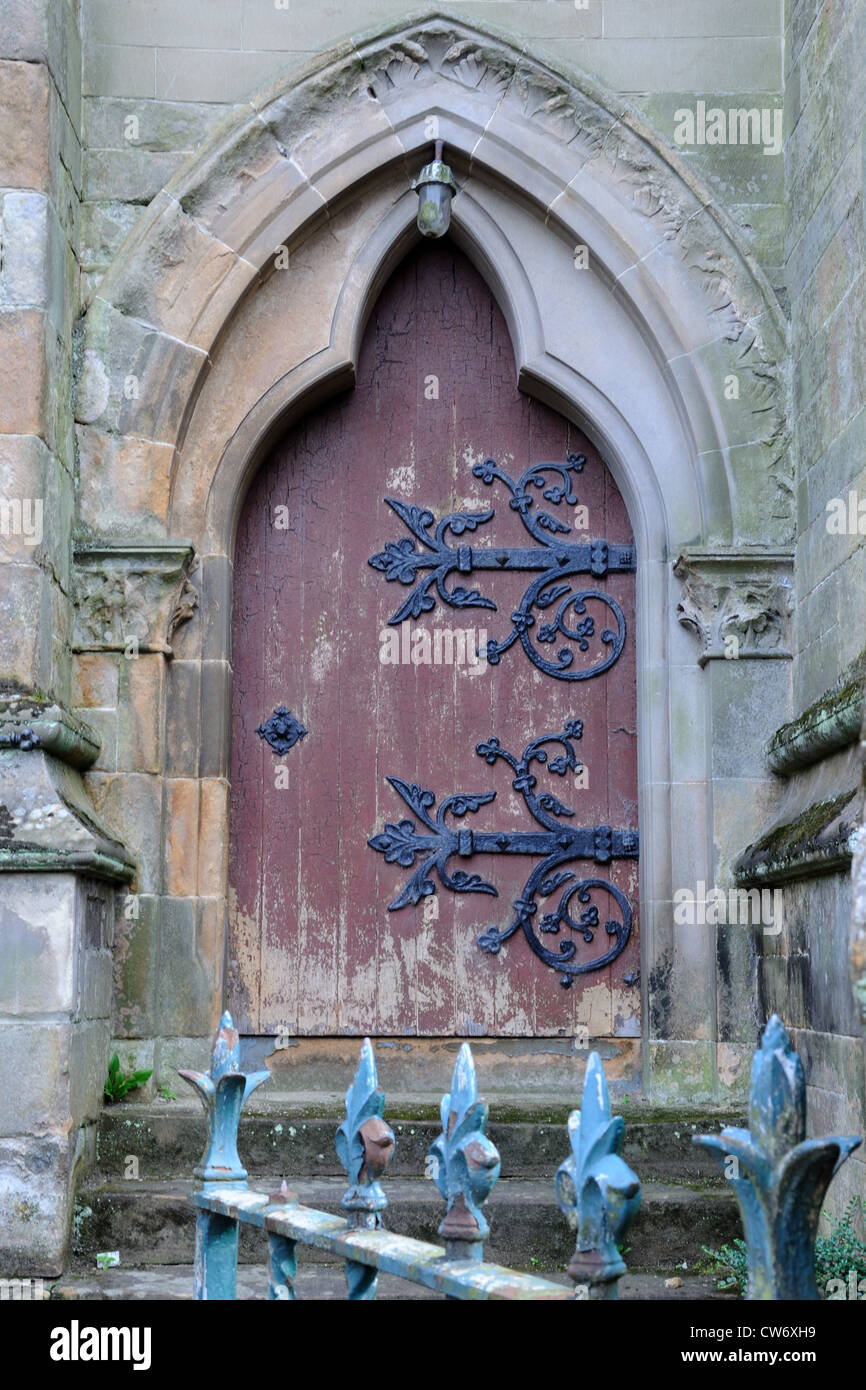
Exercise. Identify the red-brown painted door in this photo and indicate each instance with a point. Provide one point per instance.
(315, 947)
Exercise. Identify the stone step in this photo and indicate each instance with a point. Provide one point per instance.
(424, 1065)
(328, 1282)
(166, 1140)
(150, 1223)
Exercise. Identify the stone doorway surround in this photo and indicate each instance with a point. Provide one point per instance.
(197, 352)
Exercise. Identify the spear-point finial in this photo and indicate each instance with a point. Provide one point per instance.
(365, 1144)
(223, 1091)
(465, 1163)
(597, 1191)
(779, 1177)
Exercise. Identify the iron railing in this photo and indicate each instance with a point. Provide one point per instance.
(778, 1176)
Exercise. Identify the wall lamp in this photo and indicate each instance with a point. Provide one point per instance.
(435, 187)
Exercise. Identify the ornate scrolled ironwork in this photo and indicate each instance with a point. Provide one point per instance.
(282, 731)
(438, 841)
(558, 560)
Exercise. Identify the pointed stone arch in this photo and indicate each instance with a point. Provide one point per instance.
(198, 351)
(579, 158)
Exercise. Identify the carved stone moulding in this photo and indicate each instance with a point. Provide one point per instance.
(829, 724)
(47, 821)
(814, 831)
(573, 155)
(129, 593)
(27, 723)
(738, 603)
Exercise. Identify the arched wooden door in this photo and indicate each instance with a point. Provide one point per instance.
(425, 904)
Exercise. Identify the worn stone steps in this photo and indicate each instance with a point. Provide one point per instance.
(136, 1201)
(150, 1223)
(170, 1282)
(166, 1139)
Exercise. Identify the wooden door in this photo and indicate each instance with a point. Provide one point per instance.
(436, 425)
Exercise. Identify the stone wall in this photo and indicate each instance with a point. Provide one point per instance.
(40, 185)
(806, 973)
(826, 260)
(92, 128)
(178, 70)
(826, 272)
(56, 1003)
(56, 863)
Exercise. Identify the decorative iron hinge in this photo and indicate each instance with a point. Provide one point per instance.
(437, 842)
(282, 731)
(556, 559)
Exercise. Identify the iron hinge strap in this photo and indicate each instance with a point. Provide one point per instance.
(434, 842)
(553, 560)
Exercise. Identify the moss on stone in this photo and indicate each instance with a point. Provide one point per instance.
(804, 831)
(797, 844)
(828, 724)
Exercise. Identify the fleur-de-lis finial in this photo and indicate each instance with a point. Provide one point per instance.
(365, 1144)
(464, 1162)
(596, 1189)
(223, 1091)
(779, 1176)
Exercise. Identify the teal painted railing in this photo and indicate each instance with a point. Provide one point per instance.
(778, 1176)
(597, 1191)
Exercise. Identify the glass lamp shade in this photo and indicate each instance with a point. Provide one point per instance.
(435, 187)
(434, 209)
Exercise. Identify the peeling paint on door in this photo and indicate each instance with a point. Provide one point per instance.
(314, 949)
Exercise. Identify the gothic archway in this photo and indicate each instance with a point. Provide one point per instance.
(226, 349)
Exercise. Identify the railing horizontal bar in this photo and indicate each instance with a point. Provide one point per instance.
(415, 1260)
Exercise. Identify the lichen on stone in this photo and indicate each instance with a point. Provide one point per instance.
(800, 841)
(830, 723)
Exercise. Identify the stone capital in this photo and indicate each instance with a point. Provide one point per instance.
(128, 593)
(738, 603)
